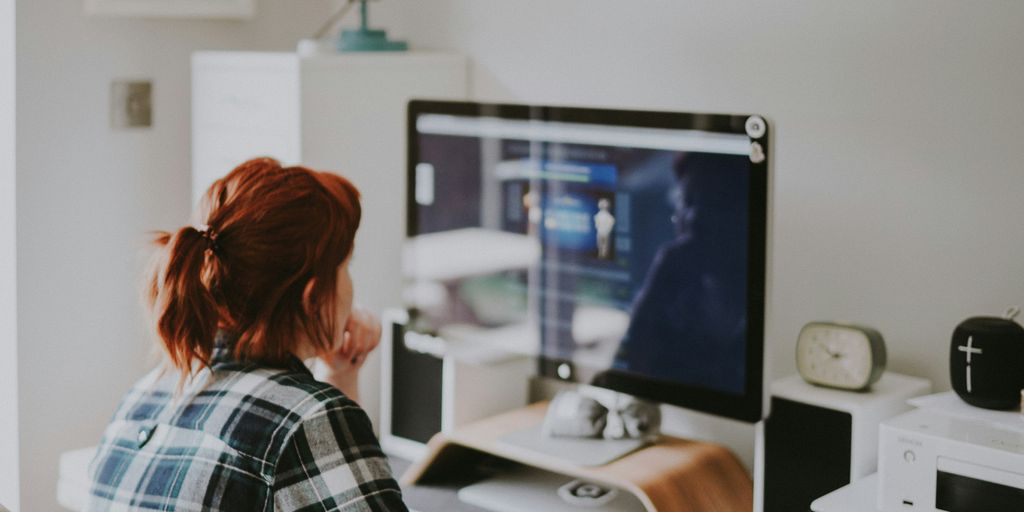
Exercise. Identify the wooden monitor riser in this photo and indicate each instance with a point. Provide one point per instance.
(672, 475)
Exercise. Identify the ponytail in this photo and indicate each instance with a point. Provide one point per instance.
(184, 307)
(265, 272)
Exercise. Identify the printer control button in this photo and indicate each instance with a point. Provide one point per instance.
(909, 456)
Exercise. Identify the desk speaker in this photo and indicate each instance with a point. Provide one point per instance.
(986, 362)
(817, 439)
(430, 385)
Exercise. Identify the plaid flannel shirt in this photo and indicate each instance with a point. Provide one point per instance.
(241, 437)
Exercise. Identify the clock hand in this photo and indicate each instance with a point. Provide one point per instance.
(823, 348)
(833, 355)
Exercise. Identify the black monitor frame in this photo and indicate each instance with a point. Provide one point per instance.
(748, 407)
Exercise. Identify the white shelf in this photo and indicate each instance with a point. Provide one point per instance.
(949, 404)
(796, 388)
(860, 496)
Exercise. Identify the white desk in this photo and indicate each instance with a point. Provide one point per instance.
(860, 496)
(73, 487)
(73, 482)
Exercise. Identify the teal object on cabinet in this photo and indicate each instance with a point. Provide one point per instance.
(364, 39)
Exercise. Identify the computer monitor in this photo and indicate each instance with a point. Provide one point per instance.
(625, 249)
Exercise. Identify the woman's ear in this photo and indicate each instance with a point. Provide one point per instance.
(307, 297)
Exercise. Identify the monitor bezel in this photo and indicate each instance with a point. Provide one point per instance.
(748, 407)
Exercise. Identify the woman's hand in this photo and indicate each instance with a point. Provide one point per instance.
(361, 336)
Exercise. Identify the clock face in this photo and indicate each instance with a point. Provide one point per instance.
(837, 356)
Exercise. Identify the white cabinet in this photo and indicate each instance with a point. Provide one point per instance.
(344, 113)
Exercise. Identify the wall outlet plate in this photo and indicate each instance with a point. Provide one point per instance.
(131, 104)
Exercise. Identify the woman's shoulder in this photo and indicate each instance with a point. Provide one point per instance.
(300, 392)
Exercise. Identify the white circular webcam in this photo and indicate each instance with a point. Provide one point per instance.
(756, 127)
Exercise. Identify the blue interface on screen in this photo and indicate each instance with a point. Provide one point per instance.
(611, 247)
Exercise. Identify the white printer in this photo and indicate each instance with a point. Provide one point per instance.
(929, 461)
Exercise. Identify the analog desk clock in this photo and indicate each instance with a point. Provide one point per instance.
(842, 356)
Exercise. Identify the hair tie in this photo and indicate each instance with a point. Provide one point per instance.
(210, 235)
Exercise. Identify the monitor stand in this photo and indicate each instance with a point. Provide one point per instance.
(583, 452)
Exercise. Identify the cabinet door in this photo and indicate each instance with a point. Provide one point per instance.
(244, 105)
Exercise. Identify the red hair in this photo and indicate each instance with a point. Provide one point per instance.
(263, 267)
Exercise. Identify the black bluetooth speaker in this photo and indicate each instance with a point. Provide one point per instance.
(986, 362)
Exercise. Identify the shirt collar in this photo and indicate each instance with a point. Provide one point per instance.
(224, 353)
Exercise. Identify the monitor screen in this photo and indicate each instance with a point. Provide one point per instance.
(624, 249)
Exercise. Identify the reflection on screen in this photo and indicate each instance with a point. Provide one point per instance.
(610, 247)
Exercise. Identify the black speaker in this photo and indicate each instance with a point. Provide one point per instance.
(807, 454)
(411, 390)
(430, 385)
(817, 439)
(986, 362)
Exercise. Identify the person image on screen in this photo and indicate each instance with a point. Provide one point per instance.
(688, 319)
(232, 419)
(604, 221)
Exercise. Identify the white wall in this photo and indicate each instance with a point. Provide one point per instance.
(898, 177)
(87, 195)
(8, 273)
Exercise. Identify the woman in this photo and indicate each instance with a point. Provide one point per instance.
(234, 420)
